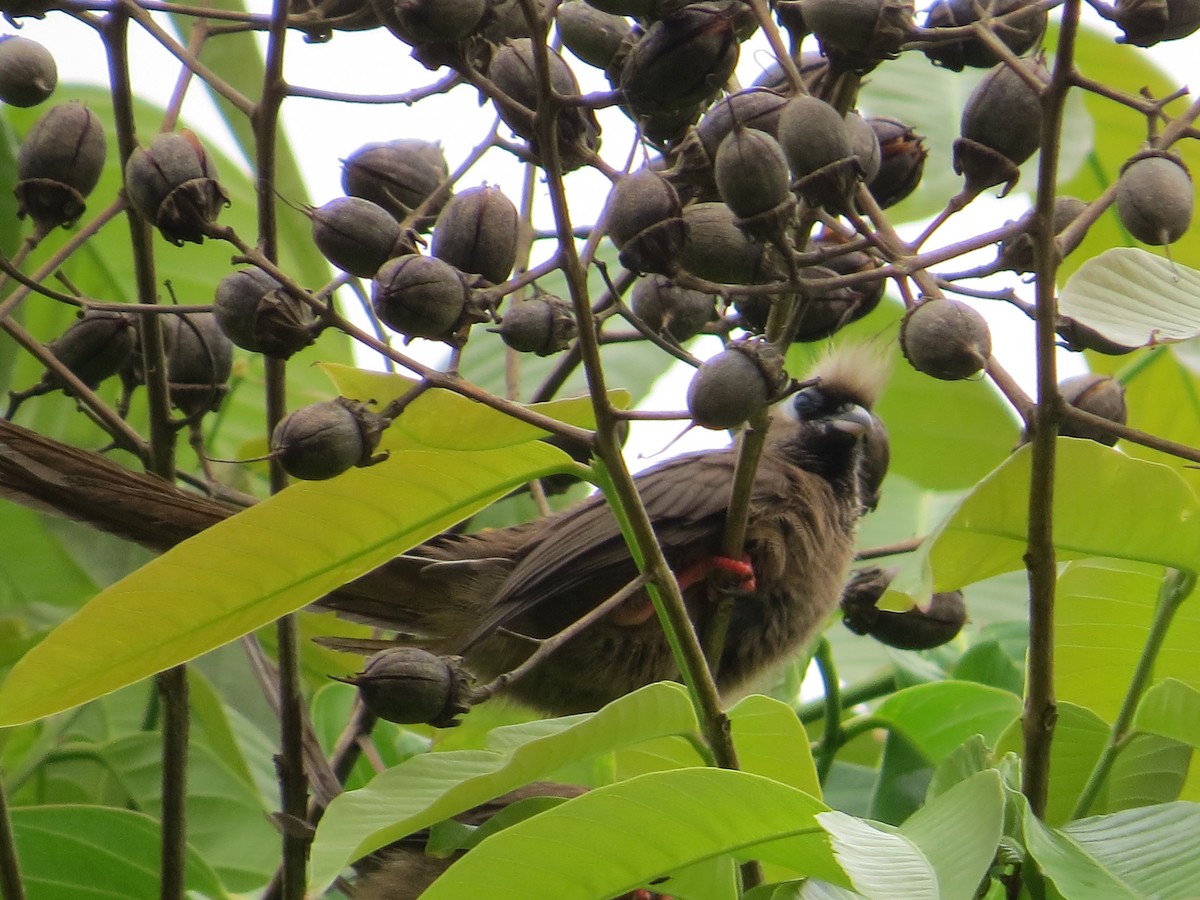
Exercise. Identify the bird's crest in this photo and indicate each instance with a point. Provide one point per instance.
(858, 369)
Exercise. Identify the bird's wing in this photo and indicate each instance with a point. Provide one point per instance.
(582, 558)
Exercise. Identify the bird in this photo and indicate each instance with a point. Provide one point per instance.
(491, 597)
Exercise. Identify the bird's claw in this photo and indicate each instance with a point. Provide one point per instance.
(730, 576)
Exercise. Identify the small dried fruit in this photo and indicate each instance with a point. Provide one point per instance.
(1099, 395)
(645, 224)
(902, 161)
(717, 250)
(258, 315)
(1016, 253)
(199, 364)
(541, 325)
(1019, 24)
(420, 297)
(408, 685)
(1001, 128)
(1154, 197)
(945, 338)
(735, 384)
(356, 235)
(664, 307)
(752, 178)
(915, 629)
(1078, 337)
(477, 233)
(173, 185)
(1146, 22)
(756, 108)
(598, 38)
(28, 74)
(323, 440)
(419, 22)
(865, 145)
(817, 144)
(399, 176)
(859, 32)
(58, 165)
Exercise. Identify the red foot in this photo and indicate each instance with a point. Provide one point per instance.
(702, 569)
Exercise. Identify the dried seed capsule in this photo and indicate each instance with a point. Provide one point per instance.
(258, 315)
(717, 250)
(420, 297)
(1001, 128)
(598, 38)
(817, 144)
(419, 22)
(865, 145)
(915, 629)
(28, 74)
(859, 33)
(512, 71)
(199, 364)
(408, 685)
(682, 60)
(756, 108)
(945, 338)
(1099, 395)
(356, 235)
(397, 175)
(173, 185)
(902, 161)
(645, 8)
(645, 224)
(680, 312)
(735, 384)
(1019, 31)
(477, 233)
(1078, 337)
(1016, 253)
(320, 18)
(541, 325)
(1154, 197)
(752, 178)
(322, 440)
(1146, 22)
(58, 165)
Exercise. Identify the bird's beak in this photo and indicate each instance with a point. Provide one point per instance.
(855, 421)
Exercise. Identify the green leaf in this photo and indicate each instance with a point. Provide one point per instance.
(938, 717)
(436, 786)
(879, 863)
(987, 663)
(904, 775)
(958, 832)
(1170, 709)
(227, 820)
(267, 561)
(1105, 504)
(1148, 770)
(622, 836)
(771, 741)
(86, 852)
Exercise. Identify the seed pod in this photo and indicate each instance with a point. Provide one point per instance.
(682, 60)
(902, 161)
(356, 235)
(915, 629)
(817, 144)
(420, 297)
(865, 145)
(408, 685)
(640, 8)
(858, 34)
(173, 185)
(735, 384)
(1016, 253)
(28, 74)
(418, 22)
(644, 222)
(1001, 128)
(512, 71)
(717, 250)
(1099, 395)
(477, 233)
(397, 175)
(58, 165)
(945, 338)
(1146, 22)
(752, 178)
(1078, 337)
(258, 315)
(598, 38)
(680, 312)
(1154, 197)
(322, 440)
(756, 108)
(1019, 31)
(199, 364)
(318, 19)
(541, 325)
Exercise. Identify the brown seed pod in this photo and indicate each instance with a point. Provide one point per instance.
(28, 73)
(320, 18)
(752, 178)
(421, 297)
(1155, 197)
(717, 250)
(58, 165)
(1016, 253)
(408, 685)
(597, 38)
(756, 108)
(679, 312)
(1078, 337)
(1001, 128)
(397, 175)
(902, 161)
(418, 22)
(915, 629)
(199, 364)
(356, 235)
(819, 152)
(945, 338)
(644, 223)
(541, 325)
(735, 384)
(1099, 395)
(1146, 22)
(257, 314)
(859, 34)
(1021, 27)
(477, 233)
(323, 440)
(173, 186)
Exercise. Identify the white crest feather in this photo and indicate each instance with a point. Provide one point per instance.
(860, 370)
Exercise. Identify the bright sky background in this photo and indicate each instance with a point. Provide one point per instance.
(374, 62)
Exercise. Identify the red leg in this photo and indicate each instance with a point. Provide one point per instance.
(703, 568)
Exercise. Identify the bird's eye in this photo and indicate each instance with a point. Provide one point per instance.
(808, 402)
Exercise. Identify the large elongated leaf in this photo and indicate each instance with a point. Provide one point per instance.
(881, 864)
(267, 561)
(435, 786)
(938, 717)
